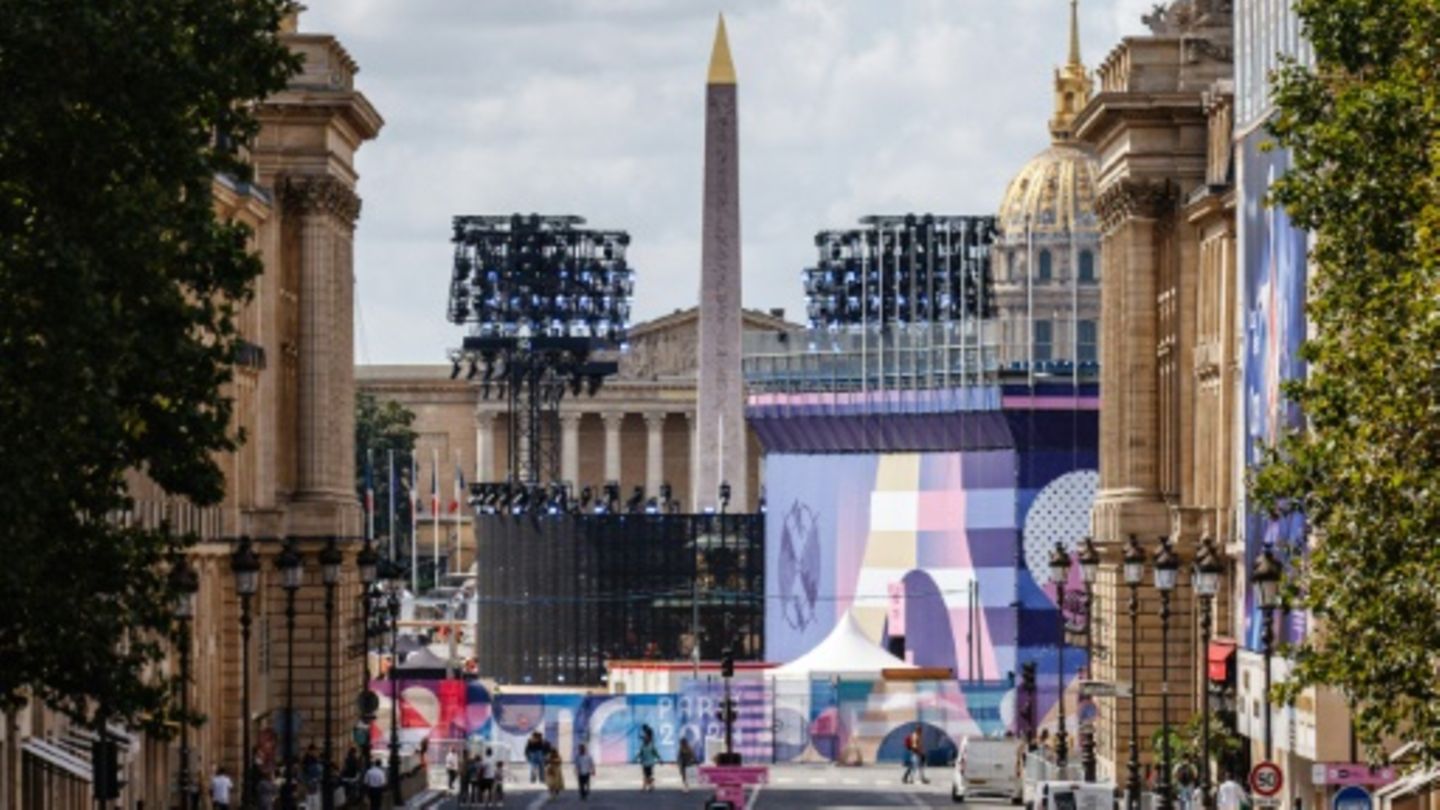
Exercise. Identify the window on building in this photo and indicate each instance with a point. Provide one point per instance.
(1043, 341)
(1088, 350)
(1087, 266)
(1045, 268)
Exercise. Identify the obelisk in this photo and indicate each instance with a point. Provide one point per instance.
(720, 412)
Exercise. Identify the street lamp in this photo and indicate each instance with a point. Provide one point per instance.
(1133, 568)
(1059, 572)
(1207, 583)
(396, 573)
(292, 574)
(1266, 579)
(330, 561)
(1089, 557)
(246, 566)
(368, 561)
(184, 583)
(1167, 570)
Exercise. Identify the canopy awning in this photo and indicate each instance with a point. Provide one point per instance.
(1217, 658)
(847, 651)
(57, 757)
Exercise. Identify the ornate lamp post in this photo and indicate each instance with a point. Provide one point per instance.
(1133, 568)
(1089, 569)
(368, 561)
(185, 583)
(1266, 580)
(1059, 573)
(1167, 568)
(292, 574)
(330, 561)
(1207, 583)
(246, 566)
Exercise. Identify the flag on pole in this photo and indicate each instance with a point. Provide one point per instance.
(369, 486)
(390, 492)
(414, 485)
(435, 484)
(459, 488)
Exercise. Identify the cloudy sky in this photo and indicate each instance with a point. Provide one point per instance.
(596, 108)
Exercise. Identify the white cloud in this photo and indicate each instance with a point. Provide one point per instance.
(595, 107)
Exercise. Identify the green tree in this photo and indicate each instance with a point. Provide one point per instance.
(118, 289)
(381, 428)
(1364, 127)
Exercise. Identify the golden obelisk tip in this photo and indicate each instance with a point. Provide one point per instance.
(722, 70)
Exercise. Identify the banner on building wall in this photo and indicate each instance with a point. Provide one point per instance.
(1274, 255)
(942, 557)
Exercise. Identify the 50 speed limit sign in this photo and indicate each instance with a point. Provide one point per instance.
(1266, 779)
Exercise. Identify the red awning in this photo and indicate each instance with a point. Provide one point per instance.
(1218, 658)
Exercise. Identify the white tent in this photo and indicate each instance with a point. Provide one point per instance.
(846, 652)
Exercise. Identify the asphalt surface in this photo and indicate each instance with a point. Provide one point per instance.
(790, 788)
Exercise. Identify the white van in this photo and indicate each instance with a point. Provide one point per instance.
(1072, 795)
(988, 767)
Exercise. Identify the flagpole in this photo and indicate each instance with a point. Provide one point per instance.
(391, 456)
(369, 495)
(414, 524)
(459, 510)
(435, 512)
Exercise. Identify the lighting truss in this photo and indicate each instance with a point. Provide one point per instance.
(901, 271)
(540, 298)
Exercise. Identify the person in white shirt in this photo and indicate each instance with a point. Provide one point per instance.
(452, 768)
(375, 784)
(1230, 796)
(220, 787)
(584, 769)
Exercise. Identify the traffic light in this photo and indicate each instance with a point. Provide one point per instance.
(105, 769)
(727, 664)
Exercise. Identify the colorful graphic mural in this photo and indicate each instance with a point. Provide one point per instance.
(779, 721)
(1274, 254)
(958, 540)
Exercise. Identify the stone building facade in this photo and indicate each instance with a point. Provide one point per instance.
(1160, 126)
(638, 430)
(293, 475)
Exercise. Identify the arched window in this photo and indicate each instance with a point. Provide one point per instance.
(1087, 266)
(1045, 266)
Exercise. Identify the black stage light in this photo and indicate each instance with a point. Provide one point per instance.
(724, 494)
(652, 507)
(474, 370)
(586, 494)
(454, 369)
(612, 496)
(637, 500)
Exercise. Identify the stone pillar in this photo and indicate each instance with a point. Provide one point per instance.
(484, 445)
(613, 419)
(325, 209)
(654, 452)
(570, 448)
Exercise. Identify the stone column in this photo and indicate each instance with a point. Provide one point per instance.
(484, 445)
(654, 452)
(612, 444)
(570, 449)
(325, 209)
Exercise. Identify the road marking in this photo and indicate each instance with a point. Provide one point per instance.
(539, 801)
(754, 797)
(815, 780)
(848, 781)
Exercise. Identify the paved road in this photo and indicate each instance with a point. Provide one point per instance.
(791, 787)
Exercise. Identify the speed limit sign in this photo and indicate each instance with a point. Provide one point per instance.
(1266, 780)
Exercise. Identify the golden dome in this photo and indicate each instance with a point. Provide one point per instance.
(1054, 193)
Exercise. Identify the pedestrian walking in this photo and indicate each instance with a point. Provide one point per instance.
(1230, 796)
(452, 769)
(584, 769)
(482, 777)
(554, 774)
(265, 791)
(497, 786)
(685, 758)
(535, 756)
(220, 787)
(647, 757)
(375, 785)
(914, 757)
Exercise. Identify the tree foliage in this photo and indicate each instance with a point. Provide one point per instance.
(380, 430)
(1363, 125)
(118, 289)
